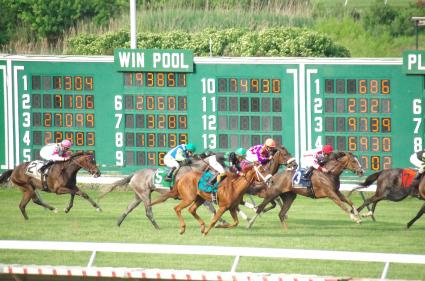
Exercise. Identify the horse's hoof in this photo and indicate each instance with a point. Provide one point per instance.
(66, 210)
(182, 230)
(98, 209)
(202, 228)
(55, 211)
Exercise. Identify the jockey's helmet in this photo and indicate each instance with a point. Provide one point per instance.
(270, 143)
(240, 151)
(327, 149)
(191, 147)
(66, 144)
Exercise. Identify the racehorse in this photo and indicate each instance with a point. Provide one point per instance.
(229, 195)
(391, 186)
(323, 185)
(61, 179)
(142, 183)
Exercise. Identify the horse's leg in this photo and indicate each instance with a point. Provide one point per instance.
(136, 201)
(77, 191)
(178, 209)
(261, 207)
(211, 208)
(343, 198)
(36, 199)
(149, 213)
(334, 197)
(273, 205)
(24, 201)
(198, 202)
(418, 215)
(71, 203)
(287, 199)
(234, 214)
(218, 215)
(371, 200)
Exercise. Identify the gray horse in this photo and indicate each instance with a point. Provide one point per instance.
(143, 185)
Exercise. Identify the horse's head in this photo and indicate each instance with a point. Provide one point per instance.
(346, 160)
(87, 162)
(281, 156)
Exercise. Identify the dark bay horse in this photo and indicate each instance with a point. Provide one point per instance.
(61, 180)
(390, 187)
(141, 182)
(229, 196)
(324, 186)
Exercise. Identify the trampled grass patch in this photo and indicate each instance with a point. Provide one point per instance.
(313, 224)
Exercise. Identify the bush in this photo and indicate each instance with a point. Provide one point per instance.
(295, 42)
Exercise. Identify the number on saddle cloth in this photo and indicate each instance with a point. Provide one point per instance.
(159, 181)
(407, 177)
(203, 184)
(33, 168)
(298, 178)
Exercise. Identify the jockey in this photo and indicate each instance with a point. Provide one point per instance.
(176, 156)
(262, 153)
(418, 159)
(315, 158)
(55, 152)
(236, 161)
(231, 160)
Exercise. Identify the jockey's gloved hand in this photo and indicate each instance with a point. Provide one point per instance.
(187, 161)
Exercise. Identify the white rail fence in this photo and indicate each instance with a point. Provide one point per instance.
(236, 252)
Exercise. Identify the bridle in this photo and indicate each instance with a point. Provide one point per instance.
(91, 171)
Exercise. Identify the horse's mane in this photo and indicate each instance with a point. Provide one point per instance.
(339, 154)
(78, 154)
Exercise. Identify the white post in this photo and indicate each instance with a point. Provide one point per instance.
(235, 264)
(133, 38)
(385, 271)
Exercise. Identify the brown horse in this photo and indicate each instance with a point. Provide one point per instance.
(229, 195)
(61, 179)
(390, 187)
(323, 185)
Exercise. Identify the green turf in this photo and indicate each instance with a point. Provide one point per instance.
(313, 224)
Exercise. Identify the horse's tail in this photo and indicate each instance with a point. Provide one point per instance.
(123, 181)
(5, 176)
(368, 181)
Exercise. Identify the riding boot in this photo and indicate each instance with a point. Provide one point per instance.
(45, 166)
(418, 175)
(169, 176)
(308, 174)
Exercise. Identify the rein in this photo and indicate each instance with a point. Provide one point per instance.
(78, 164)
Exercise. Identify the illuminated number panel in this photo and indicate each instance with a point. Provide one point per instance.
(358, 118)
(249, 111)
(154, 121)
(62, 107)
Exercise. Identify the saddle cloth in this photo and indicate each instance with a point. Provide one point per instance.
(203, 184)
(33, 167)
(297, 179)
(159, 181)
(407, 177)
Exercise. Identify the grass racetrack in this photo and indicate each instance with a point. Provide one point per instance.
(313, 224)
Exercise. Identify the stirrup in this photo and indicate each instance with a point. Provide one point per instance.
(214, 198)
